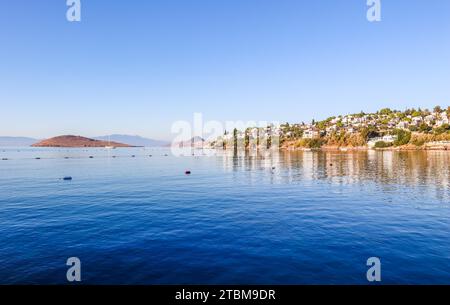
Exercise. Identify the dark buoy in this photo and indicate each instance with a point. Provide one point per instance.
(166, 155)
(38, 158)
(187, 172)
(133, 156)
(91, 157)
(67, 178)
(273, 167)
(331, 164)
(4, 159)
(114, 156)
(66, 157)
(150, 156)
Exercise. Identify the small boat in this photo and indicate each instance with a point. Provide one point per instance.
(109, 146)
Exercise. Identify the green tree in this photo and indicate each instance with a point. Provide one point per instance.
(369, 132)
(235, 138)
(413, 128)
(442, 129)
(424, 128)
(403, 137)
(385, 111)
(247, 138)
(322, 125)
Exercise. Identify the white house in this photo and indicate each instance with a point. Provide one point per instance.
(403, 125)
(311, 133)
(387, 139)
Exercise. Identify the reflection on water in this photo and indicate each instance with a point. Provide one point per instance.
(408, 168)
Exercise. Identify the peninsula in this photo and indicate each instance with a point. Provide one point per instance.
(77, 141)
(386, 129)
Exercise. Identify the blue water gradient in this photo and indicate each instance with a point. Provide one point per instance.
(284, 218)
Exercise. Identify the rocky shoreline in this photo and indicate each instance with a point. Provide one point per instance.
(408, 147)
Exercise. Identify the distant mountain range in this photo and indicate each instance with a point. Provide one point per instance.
(17, 141)
(133, 140)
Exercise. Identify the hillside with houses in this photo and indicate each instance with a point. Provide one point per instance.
(409, 129)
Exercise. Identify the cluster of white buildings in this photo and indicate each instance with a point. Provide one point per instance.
(382, 122)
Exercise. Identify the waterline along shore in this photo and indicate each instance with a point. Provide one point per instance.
(442, 146)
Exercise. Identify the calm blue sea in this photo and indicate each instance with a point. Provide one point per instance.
(283, 218)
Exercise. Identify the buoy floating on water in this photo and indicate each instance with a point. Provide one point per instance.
(68, 178)
(187, 172)
(133, 156)
(91, 157)
(4, 159)
(38, 158)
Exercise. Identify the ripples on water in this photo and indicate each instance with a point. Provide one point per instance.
(284, 218)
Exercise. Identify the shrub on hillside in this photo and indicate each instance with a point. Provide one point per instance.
(382, 144)
(403, 137)
(310, 143)
(419, 139)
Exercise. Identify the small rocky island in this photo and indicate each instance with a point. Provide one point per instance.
(77, 141)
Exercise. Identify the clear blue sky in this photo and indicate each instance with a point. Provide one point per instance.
(135, 66)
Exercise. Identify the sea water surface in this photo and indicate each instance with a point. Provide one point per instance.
(279, 218)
